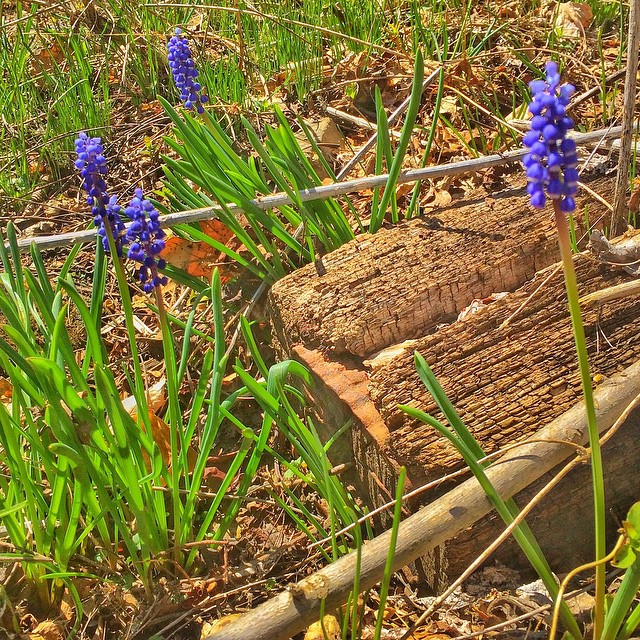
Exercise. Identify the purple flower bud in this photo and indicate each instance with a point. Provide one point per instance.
(106, 211)
(551, 133)
(537, 86)
(538, 150)
(146, 238)
(538, 123)
(555, 188)
(184, 73)
(571, 176)
(536, 173)
(567, 205)
(552, 161)
(538, 200)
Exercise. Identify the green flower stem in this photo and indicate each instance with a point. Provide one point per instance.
(388, 567)
(178, 447)
(587, 390)
(140, 392)
(123, 286)
(620, 606)
(632, 621)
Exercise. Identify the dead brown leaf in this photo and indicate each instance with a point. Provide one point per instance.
(199, 259)
(160, 430)
(326, 629)
(47, 630)
(209, 627)
(572, 18)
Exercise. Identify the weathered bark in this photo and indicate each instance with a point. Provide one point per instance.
(562, 523)
(377, 291)
(505, 382)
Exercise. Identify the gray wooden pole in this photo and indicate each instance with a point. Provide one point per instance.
(619, 213)
(320, 193)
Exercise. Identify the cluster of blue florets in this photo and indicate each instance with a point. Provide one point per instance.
(106, 210)
(552, 161)
(144, 235)
(146, 241)
(185, 73)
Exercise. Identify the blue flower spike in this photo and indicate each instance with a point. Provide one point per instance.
(551, 164)
(147, 241)
(106, 210)
(185, 73)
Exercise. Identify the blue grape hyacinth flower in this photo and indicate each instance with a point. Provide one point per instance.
(106, 210)
(551, 164)
(146, 239)
(185, 74)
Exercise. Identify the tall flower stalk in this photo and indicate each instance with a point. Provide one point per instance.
(551, 172)
(107, 217)
(146, 242)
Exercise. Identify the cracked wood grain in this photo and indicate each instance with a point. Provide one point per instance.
(381, 290)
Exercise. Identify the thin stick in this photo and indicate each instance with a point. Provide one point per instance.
(392, 119)
(319, 193)
(618, 217)
(358, 121)
(623, 290)
(434, 483)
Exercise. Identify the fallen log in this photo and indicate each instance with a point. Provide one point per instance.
(383, 289)
(504, 381)
(292, 610)
(379, 291)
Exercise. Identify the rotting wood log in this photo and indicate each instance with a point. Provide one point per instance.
(377, 291)
(505, 382)
(380, 443)
(292, 610)
(563, 523)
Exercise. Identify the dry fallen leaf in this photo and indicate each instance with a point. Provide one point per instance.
(209, 627)
(155, 399)
(572, 19)
(6, 390)
(199, 258)
(47, 59)
(47, 630)
(160, 430)
(326, 629)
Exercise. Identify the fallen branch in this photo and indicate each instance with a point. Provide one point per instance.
(619, 214)
(625, 253)
(358, 121)
(291, 611)
(624, 290)
(320, 193)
